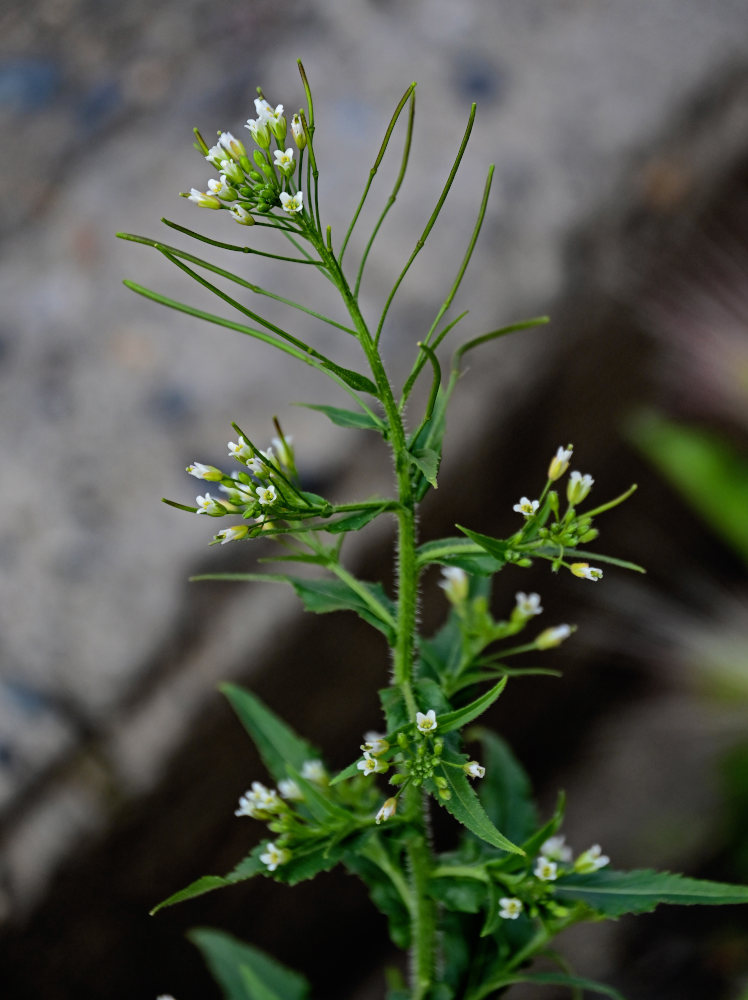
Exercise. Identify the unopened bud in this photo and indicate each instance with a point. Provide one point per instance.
(560, 462)
(297, 131)
(553, 636)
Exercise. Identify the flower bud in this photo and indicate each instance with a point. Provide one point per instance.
(241, 215)
(297, 131)
(578, 487)
(586, 572)
(233, 146)
(260, 133)
(559, 463)
(473, 769)
(387, 811)
(455, 584)
(233, 171)
(553, 636)
(202, 199)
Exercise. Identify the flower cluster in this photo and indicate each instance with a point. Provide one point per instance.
(264, 489)
(261, 183)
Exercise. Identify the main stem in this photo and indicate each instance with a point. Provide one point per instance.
(423, 923)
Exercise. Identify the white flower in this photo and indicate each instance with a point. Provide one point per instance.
(526, 507)
(314, 770)
(473, 769)
(259, 130)
(203, 199)
(239, 493)
(267, 495)
(165, 996)
(585, 571)
(215, 154)
(207, 505)
(375, 744)
(259, 802)
(387, 811)
(527, 604)
(200, 471)
(297, 131)
(221, 188)
(510, 907)
(455, 584)
(559, 463)
(241, 450)
(545, 870)
(578, 487)
(553, 636)
(290, 790)
(266, 112)
(556, 849)
(259, 468)
(234, 534)
(591, 860)
(242, 215)
(292, 203)
(284, 160)
(371, 765)
(274, 856)
(232, 146)
(426, 723)
(283, 447)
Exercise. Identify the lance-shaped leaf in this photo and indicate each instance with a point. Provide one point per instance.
(349, 418)
(614, 893)
(426, 460)
(354, 521)
(245, 972)
(355, 380)
(461, 716)
(466, 807)
(544, 979)
(277, 744)
(246, 869)
(506, 792)
(462, 552)
(494, 546)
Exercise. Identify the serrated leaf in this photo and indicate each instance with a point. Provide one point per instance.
(348, 418)
(466, 807)
(614, 893)
(462, 716)
(244, 972)
(545, 979)
(494, 546)
(315, 859)
(354, 521)
(426, 460)
(505, 791)
(354, 379)
(277, 744)
(324, 596)
(450, 552)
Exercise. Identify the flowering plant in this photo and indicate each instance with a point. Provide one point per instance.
(474, 918)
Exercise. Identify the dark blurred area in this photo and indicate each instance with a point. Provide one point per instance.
(620, 206)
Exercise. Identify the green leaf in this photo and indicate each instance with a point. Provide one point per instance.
(312, 860)
(494, 546)
(354, 521)
(709, 473)
(461, 716)
(246, 869)
(323, 809)
(465, 895)
(276, 742)
(245, 972)
(353, 379)
(505, 791)
(426, 460)
(465, 806)
(460, 552)
(324, 596)
(614, 893)
(348, 418)
(546, 979)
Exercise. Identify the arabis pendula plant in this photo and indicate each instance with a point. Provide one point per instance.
(473, 917)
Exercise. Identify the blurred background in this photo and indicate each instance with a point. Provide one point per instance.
(619, 131)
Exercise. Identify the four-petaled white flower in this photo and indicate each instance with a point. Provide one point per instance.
(215, 154)
(240, 450)
(455, 584)
(586, 572)
(221, 188)
(473, 769)
(545, 870)
(510, 907)
(258, 467)
(591, 860)
(259, 802)
(207, 505)
(242, 215)
(273, 856)
(578, 487)
(553, 636)
(426, 723)
(266, 112)
(314, 770)
(556, 849)
(527, 604)
(200, 471)
(284, 160)
(375, 744)
(526, 507)
(259, 130)
(232, 146)
(297, 131)
(387, 811)
(266, 495)
(559, 463)
(292, 203)
(234, 534)
(290, 790)
(371, 765)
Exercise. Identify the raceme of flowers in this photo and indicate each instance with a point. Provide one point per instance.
(256, 184)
